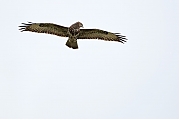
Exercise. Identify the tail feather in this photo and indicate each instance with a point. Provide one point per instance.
(72, 43)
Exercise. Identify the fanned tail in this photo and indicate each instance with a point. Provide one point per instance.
(72, 43)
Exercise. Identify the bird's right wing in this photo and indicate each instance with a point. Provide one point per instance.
(48, 28)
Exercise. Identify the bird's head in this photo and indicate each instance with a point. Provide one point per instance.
(80, 24)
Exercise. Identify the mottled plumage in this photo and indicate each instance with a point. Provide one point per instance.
(74, 29)
(73, 32)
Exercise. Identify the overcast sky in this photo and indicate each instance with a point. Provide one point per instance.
(40, 77)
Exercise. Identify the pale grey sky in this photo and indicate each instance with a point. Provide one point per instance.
(42, 78)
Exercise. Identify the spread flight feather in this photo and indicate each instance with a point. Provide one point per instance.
(73, 32)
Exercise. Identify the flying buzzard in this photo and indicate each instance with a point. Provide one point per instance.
(73, 32)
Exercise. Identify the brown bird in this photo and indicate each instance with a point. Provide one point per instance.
(73, 32)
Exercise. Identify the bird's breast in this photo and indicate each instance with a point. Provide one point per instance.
(73, 31)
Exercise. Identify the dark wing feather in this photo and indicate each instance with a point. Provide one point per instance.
(100, 34)
(48, 28)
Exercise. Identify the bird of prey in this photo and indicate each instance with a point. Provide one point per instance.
(73, 32)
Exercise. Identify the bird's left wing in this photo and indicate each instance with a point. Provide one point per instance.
(48, 28)
(101, 34)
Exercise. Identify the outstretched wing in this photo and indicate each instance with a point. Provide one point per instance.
(100, 34)
(48, 28)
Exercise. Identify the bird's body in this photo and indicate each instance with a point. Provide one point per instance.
(74, 29)
(73, 32)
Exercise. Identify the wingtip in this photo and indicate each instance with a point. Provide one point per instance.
(121, 38)
(26, 24)
(23, 27)
(20, 26)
